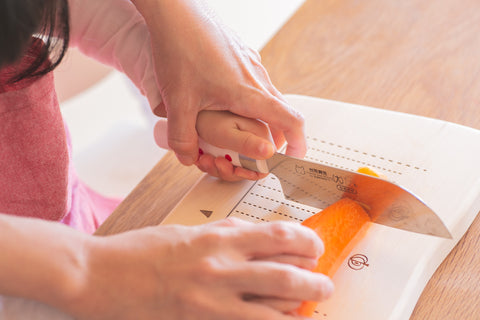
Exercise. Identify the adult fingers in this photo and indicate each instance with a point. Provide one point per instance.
(278, 114)
(278, 137)
(229, 222)
(253, 310)
(275, 280)
(281, 305)
(291, 123)
(276, 238)
(299, 262)
(293, 148)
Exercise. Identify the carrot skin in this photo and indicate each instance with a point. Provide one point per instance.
(337, 225)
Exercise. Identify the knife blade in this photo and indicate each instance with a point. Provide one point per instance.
(318, 185)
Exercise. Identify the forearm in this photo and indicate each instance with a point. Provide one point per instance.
(189, 43)
(41, 260)
(153, 273)
(114, 33)
(170, 12)
(171, 22)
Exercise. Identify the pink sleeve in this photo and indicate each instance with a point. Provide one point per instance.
(114, 33)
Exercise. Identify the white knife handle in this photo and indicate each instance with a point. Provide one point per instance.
(161, 138)
(207, 148)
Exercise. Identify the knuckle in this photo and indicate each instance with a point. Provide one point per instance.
(261, 95)
(297, 118)
(212, 269)
(273, 101)
(230, 222)
(282, 232)
(210, 239)
(233, 221)
(313, 243)
(286, 280)
(310, 264)
(208, 267)
(294, 116)
(318, 247)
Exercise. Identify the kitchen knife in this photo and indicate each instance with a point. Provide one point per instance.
(319, 185)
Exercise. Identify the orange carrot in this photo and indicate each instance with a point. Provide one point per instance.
(366, 170)
(336, 225)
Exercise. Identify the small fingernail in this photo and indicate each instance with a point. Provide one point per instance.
(200, 153)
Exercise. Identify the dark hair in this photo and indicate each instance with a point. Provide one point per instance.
(20, 20)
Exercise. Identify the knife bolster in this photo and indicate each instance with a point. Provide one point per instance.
(254, 165)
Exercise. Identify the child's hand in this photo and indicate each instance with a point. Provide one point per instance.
(223, 129)
(246, 136)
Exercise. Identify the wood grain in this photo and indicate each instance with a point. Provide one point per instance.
(154, 197)
(415, 56)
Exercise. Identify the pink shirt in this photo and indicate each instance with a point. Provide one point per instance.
(37, 178)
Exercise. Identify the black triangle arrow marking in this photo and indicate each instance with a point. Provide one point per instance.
(206, 213)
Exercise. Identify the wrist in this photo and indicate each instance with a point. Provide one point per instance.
(73, 280)
(115, 273)
(41, 260)
(81, 295)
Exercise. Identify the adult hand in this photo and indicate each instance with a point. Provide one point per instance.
(229, 269)
(201, 65)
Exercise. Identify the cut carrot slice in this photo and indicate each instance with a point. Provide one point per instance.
(340, 226)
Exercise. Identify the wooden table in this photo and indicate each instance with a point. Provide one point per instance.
(415, 56)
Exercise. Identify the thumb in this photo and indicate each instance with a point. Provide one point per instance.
(250, 145)
(182, 136)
